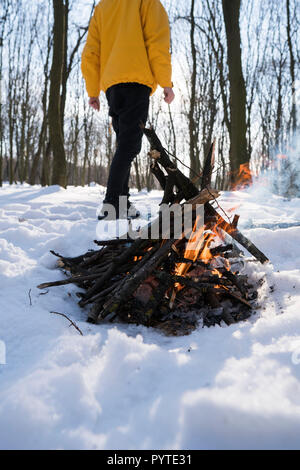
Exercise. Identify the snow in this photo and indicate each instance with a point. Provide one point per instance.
(129, 387)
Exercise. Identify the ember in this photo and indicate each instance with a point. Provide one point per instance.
(173, 283)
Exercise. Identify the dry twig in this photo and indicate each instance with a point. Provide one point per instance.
(71, 322)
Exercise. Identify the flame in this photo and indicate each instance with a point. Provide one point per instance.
(244, 177)
(198, 248)
(215, 272)
(193, 248)
(222, 225)
(205, 254)
(226, 264)
(192, 251)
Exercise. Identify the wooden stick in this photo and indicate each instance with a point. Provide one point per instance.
(208, 167)
(71, 322)
(156, 226)
(235, 296)
(183, 183)
(70, 280)
(235, 281)
(218, 250)
(116, 242)
(237, 235)
(169, 195)
(187, 281)
(118, 261)
(75, 260)
(130, 285)
(159, 175)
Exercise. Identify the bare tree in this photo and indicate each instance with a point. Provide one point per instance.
(43, 128)
(292, 66)
(194, 148)
(69, 59)
(238, 141)
(59, 175)
(208, 90)
(4, 12)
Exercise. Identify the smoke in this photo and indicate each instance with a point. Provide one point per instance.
(281, 176)
(284, 172)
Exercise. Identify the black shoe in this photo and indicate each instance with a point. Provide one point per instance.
(133, 212)
(109, 215)
(106, 211)
(119, 213)
(103, 215)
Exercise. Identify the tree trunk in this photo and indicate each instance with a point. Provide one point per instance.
(45, 177)
(279, 110)
(194, 154)
(37, 155)
(43, 131)
(86, 150)
(1, 119)
(65, 67)
(238, 140)
(292, 68)
(59, 175)
(137, 175)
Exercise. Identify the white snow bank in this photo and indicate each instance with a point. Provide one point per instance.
(119, 386)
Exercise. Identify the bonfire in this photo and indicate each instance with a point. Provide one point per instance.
(171, 276)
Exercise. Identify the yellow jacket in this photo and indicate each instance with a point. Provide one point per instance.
(128, 41)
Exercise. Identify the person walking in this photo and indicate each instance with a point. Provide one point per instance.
(126, 55)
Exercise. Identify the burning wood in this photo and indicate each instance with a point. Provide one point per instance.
(171, 282)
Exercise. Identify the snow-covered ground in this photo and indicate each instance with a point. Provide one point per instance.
(128, 387)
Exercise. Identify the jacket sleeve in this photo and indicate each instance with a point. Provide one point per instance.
(157, 37)
(90, 60)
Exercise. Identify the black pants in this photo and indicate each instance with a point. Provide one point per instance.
(128, 107)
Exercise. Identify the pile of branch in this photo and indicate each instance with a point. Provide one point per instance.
(138, 281)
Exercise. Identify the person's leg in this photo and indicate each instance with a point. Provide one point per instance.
(130, 102)
(111, 100)
(115, 124)
(125, 190)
